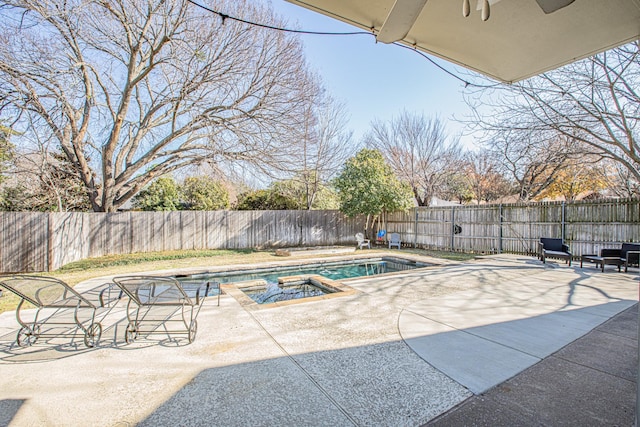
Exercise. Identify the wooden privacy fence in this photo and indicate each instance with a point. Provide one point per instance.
(47, 241)
(517, 228)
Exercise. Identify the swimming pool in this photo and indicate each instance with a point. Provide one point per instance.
(272, 288)
(335, 270)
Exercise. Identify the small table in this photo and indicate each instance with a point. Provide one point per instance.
(601, 261)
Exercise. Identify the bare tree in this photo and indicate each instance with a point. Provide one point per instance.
(134, 89)
(532, 163)
(486, 182)
(594, 102)
(324, 145)
(620, 180)
(419, 151)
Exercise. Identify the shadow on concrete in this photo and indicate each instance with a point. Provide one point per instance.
(379, 384)
(591, 381)
(374, 384)
(484, 356)
(8, 410)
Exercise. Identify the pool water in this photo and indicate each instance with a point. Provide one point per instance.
(333, 271)
(273, 292)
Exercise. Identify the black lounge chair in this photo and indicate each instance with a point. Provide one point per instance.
(553, 248)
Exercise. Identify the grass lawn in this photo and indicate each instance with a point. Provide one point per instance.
(80, 271)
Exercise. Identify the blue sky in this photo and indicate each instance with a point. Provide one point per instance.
(376, 80)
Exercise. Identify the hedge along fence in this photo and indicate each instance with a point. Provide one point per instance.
(587, 226)
(47, 241)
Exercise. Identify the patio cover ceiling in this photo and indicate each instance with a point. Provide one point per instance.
(519, 40)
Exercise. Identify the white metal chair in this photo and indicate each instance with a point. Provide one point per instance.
(362, 242)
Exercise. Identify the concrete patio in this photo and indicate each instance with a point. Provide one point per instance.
(403, 350)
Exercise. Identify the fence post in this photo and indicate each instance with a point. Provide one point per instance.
(562, 226)
(453, 226)
(500, 229)
(415, 229)
(50, 254)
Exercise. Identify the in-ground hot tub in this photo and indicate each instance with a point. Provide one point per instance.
(294, 289)
(256, 294)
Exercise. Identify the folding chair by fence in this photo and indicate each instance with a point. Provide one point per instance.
(148, 295)
(52, 299)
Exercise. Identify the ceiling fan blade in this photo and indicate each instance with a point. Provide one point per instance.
(401, 18)
(550, 6)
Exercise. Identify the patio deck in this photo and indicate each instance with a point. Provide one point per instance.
(402, 351)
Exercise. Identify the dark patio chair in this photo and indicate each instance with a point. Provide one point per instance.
(628, 254)
(553, 248)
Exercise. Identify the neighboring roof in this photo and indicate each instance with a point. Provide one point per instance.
(435, 201)
(519, 40)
